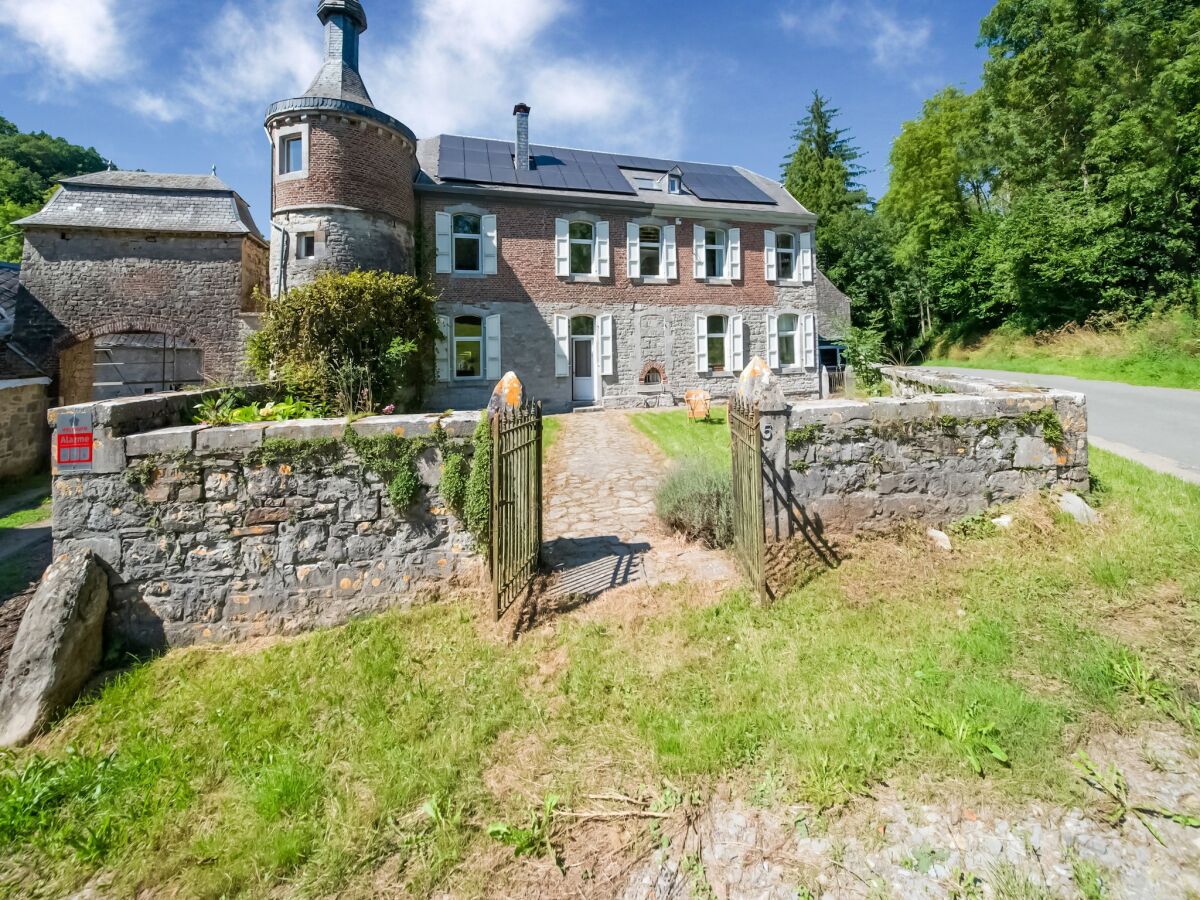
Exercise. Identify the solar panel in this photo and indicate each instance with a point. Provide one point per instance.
(484, 161)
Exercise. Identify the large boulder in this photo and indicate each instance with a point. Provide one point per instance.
(58, 646)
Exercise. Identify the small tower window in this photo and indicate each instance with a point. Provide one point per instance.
(306, 246)
(291, 154)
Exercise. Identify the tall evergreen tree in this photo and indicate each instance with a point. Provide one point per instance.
(822, 170)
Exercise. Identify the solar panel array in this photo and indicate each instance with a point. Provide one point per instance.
(486, 161)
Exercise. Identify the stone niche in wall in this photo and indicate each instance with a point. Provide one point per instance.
(653, 339)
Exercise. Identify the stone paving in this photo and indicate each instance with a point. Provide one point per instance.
(599, 523)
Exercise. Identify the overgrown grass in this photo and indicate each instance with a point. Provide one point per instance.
(11, 488)
(696, 500)
(36, 510)
(679, 438)
(1163, 352)
(304, 767)
(551, 428)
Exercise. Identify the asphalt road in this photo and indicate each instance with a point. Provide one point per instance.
(1159, 427)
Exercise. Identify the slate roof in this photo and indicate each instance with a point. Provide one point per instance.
(10, 279)
(833, 308)
(338, 81)
(15, 364)
(485, 165)
(147, 201)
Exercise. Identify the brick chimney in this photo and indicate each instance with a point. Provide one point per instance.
(521, 111)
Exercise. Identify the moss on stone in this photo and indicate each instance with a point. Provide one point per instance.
(300, 453)
(802, 437)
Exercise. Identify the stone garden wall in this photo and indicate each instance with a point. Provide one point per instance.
(939, 449)
(220, 533)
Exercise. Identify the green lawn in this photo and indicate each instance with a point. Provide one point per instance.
(1178, 371)
(680, 439)
(551, 428)
(393, 742)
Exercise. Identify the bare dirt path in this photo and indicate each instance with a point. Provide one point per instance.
(600, 528)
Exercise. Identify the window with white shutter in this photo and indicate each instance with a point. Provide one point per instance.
(737, 348)
(562, 248)
(562, 346)
(806, 256)
(772, 338)
(633, 251)
(670, 263)
(491, 245)
(491, 333)
(769, 255)
(734, 267)
(701, 343)
(608, 361)
(442, 348)
(442, 232)
(602, 250)
(698, 264)
(810, 341)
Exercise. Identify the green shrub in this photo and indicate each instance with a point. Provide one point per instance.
(230, 408)
(394, 460)
(696, 499)
(477, 504)
(351, 342)
(456, 472)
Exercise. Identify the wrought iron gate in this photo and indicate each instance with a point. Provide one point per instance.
(749, 523)
(516, 545)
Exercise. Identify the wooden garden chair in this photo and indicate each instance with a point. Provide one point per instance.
(699, 404)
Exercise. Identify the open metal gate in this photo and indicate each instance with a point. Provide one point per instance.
(516, 545)
(749, 522)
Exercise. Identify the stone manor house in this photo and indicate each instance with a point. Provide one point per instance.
(601, 279)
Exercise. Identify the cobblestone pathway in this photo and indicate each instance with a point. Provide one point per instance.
(600, 527)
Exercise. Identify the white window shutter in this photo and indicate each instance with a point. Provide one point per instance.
(562, 247)
(633, 251)
(769, 255)
(491, 333)
(698, 256)
(772, 338)
(701, 344)
(562, 346)
(668, 236)
(442, 348)
(806, 256)
(735, 254)
(810, 341)
(608, 360)
(442, 231)
(491, 244)
(601, 255)
(737, 346)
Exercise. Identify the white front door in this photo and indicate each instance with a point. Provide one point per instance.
(583, 381)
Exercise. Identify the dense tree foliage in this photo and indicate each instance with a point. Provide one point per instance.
(29, 164)
(1065, 189)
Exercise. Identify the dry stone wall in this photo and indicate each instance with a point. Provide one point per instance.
(938, 451)
(224, 533)
(23, 446)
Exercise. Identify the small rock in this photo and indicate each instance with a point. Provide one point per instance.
(1004, 521)
(1076, 507)
(939, 539)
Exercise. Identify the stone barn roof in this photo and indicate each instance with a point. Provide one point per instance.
(147, 201)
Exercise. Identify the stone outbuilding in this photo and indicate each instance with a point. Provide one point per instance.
(134, 282)
(23, 391)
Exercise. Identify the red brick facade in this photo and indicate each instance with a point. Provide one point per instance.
(351, 162)
(525, 265)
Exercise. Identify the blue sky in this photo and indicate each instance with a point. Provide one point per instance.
(181, 85)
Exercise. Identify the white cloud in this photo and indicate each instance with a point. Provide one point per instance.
(75, 39)
(892, 41)
(460, 67)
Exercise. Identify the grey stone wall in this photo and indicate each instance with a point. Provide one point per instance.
(23, 444)
(345, 240)
(215, 534)
(844, 466)
(643, 333)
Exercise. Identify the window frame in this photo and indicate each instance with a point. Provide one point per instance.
(477, 237)
(657, 245)
(725, 337)
(793, 254)
(573, 241)
(722, 248)
(480, 341)
(283, 138)
(797, 329)
(674, 184)
(302, 237)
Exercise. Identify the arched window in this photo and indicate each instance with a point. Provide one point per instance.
(785, 255)
(718, 328)
(650, 251)
(466, 230)
(468, 347)
(714, 253)
(787, 336)
(583, 245)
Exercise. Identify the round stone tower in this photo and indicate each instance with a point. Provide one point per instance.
(341, 170)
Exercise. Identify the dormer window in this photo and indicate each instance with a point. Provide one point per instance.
(467, 238)
(674, 184)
